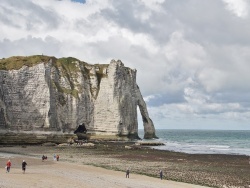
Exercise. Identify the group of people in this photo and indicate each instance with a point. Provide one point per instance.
(8, 165)
(24, 164)
(127, 174)
(56, 157)
(44, 157)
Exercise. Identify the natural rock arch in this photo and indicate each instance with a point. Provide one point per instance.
(149, 129)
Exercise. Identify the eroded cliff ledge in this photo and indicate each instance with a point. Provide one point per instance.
(45, 99)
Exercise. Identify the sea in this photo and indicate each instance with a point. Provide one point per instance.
(230, 142)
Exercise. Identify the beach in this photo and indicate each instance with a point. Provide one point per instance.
(104, 164)
(65, 174)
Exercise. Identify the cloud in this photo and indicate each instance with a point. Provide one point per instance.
(238, 8)
(192, 57)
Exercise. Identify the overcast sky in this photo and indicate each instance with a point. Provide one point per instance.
(192, 56)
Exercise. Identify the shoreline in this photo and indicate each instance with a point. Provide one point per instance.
(214, 170)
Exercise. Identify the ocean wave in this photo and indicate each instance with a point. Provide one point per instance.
(221, 149)
(202, 149)
(217, 146)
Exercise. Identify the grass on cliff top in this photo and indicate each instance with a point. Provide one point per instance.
(17, 62)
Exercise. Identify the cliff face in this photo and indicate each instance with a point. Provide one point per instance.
(49, 96)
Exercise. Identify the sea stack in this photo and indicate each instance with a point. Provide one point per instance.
(45, 99)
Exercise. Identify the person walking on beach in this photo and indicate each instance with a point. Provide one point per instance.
(161, 174)
(54, 157)
(24, 166)
(8, 165)
(127, 173)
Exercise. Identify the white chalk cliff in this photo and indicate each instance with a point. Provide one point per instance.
(49, 96)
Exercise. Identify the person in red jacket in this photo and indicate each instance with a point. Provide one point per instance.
(8, 165)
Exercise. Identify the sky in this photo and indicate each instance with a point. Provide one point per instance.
(192, 57)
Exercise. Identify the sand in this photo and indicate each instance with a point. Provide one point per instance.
(50, 174)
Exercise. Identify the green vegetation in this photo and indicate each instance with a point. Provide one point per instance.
(68, 64)
(16, 62)
(60, 89)
(68, 68)
(72, 92)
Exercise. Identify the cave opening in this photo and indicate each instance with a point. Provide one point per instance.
(81, 129)
(81, 132)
